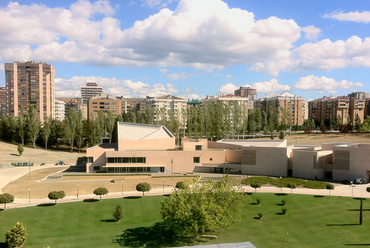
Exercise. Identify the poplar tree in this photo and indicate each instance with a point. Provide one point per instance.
(70, 124)
(33, 120)
(46, 130)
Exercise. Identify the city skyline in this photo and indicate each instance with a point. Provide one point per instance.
(192, 48)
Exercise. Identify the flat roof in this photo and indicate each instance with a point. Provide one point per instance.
(136, 131)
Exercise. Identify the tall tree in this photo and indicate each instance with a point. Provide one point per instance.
(110, 121)
(80, 135)
(33, 121)
(21, 124)
(46, 130)
(70, 127)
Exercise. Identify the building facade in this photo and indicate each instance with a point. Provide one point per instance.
(105, 103)
(274, 102)
(3, 101)
(90, 90)
(30, 83)
(359, 95)
(60, 110)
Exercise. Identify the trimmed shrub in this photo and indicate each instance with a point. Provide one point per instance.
(368, 189)
(100, 191)
(56, 195)
(143, 187)
(281, 135)
(112, 181)
(6, 198)
(180, 185)
(16, 236)
(255, 186)
(330, 187)
(291, 186)
(284, 210)
(258, 201)
(260, 215)
(283, 202)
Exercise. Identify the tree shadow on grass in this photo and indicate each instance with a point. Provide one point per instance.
(280, 194)
(342, 224)
(91, 200)
(46, 204)
(108, 220)
(318, 196)
(357, 244)
(158, 235)
(132, 197)
(3, 245)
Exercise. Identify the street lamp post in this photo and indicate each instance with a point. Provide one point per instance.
(29, 196)
(29, 170)
(163, 185)
(122, 187)
(352, 186)
(78, 191)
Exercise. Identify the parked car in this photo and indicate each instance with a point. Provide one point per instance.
(359, 181)
(346, 182)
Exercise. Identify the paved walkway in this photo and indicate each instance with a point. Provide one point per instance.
(10, 174)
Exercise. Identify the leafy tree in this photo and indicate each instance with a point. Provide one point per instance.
(255, 185)
(180, 185)
(46, 130)
(330, 187)
(21, 125)
(100, 191)
(358, 122)
(17, 236)
(365, 127)
(118, 212)
(80, 135)
(20, 149)
(368, 189)
(323, 128)
(308, 126)
(143, 187)
(6, 198)
(201, 207)
(70, 124)
(110, 124)
(281, 135)
(10, 125)
(56, 195)
(33, 120)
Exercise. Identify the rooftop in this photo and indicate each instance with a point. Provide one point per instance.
(136, 131)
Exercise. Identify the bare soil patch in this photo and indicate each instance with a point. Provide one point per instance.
(9, 154)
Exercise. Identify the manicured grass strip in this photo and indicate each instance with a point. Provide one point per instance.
(310, 221)
(283, 182)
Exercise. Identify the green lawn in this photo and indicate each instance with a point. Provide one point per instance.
(310, 222)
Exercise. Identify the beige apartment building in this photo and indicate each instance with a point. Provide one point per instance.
(90, 90)
(177, 105)
(74, 103)
(286, 100)
(243, 102)
(30, 83)
(104, 102)
(327, 108)
(246, 92)
(3, 101)
(60, 110)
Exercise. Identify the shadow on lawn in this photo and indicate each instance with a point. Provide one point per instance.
(342, 224)
(46, 204)
(280, 194)
(108, 220)
(3, 245)
(132, 197)
(357, 244)
(158, 235)
(91, 200)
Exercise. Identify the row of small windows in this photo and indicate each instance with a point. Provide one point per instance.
(127, 160)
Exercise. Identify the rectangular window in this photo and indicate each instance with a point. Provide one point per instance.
(110, 160)
(89, 160)
(198, 147)
(196, 160)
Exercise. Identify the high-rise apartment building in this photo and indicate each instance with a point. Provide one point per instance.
(90, 90)
(3, 101)
(246, 92)
(30, 83)
(327, 108)
(59, 109)
(163, 104)
(105, 103)
(359, 95)
(286, 100)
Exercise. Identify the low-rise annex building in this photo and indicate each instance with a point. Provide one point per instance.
(145, 148)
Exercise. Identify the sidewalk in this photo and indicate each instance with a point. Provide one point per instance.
(340, 190)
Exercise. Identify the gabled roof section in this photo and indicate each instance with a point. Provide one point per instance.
(135, 131)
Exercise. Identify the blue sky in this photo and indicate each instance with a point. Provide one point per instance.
(193, 48)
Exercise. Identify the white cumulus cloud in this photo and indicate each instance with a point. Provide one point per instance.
(355, 16)
(311, 32)
(262, 87)
(323, 83)
(114, 86)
